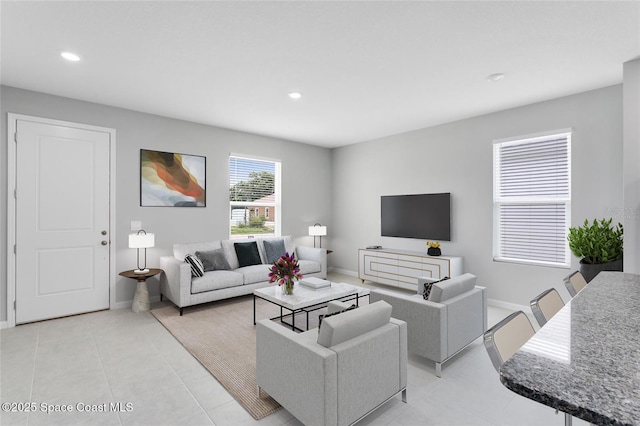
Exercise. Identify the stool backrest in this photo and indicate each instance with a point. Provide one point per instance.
(574, 283)
(506, 337)
(546, 305)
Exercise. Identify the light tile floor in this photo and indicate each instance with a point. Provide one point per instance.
(118, 356)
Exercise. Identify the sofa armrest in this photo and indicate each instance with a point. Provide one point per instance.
(175, 284)
(285, 358)
(315, 254)
(426, 322)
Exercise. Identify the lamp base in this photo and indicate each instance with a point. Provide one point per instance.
(141, 271)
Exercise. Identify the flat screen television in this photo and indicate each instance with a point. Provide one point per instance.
(422, 216)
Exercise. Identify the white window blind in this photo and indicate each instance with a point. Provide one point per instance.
(532, 199)
(254, 187)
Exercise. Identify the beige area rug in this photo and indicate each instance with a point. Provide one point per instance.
(221, 335)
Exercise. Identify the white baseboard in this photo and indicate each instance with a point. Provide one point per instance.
(129, 303)
(507, 305)
(343, 272)
(119, 305)
(122, 305)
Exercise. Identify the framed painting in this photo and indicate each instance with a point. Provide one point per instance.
(168, 179)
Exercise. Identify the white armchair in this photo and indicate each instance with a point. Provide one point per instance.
(336, 376)
(454, 316)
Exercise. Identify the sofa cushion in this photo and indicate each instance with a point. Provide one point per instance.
(254, 273)
(215, 280)
(247, 254)
(452, 287)
(213, 260)
(309, 266)
(348, 325)
(180, 250)
(273, 249)
(197, 268)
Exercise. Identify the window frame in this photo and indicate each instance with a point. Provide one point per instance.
(253, 206)
(538, 201)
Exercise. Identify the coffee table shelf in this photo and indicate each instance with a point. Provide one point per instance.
(306, 299)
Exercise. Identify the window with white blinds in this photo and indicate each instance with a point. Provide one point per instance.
(532, 199)
(254, 197)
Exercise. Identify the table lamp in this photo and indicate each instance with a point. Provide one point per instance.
(317, 230)
(141, 240)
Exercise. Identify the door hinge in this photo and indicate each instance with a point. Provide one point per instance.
(14, 249)
(14, 305)
(15, 137)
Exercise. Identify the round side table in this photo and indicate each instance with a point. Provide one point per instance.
(141, 298)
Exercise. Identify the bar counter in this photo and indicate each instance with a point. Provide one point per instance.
(586, 360)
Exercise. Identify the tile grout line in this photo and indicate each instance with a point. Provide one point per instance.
(33, 371)
(179, 377)
(104, 373)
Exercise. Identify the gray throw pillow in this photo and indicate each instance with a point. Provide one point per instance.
(273, 249)
(247, 253)
(213, 260)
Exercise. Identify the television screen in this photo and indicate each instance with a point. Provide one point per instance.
(423, 216)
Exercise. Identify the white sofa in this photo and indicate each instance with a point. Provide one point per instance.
(179, 286)
(438, 328)
(355, 363)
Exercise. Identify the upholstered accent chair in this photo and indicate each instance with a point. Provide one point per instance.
(336, 375)
(453, 316)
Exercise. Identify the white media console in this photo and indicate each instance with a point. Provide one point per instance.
(401, 268)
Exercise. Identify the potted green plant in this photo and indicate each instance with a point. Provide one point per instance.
(599, 245)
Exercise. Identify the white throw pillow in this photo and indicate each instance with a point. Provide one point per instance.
(197, 269)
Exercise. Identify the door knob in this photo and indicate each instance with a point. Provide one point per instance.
(104, 243)
(104, 232)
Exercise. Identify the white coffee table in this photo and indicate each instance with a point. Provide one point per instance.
(306, 299)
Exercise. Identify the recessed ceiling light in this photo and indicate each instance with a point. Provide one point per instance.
(295, 95)
(70, 56)
(495, 77)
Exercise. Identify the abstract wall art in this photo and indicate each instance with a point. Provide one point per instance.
(172, 180)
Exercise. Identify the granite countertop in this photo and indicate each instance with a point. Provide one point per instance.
(586, 360)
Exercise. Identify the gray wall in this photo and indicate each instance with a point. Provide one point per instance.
(306, 177)
(342, 188)
(632, 166)
(457, 158)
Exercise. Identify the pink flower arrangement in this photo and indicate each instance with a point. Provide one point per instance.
(285, 269)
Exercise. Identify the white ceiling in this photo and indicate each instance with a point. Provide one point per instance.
(366, 69)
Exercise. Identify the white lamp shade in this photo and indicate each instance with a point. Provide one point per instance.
(317, 231)
(141, 240)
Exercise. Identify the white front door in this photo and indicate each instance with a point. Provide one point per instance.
(62, 220)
